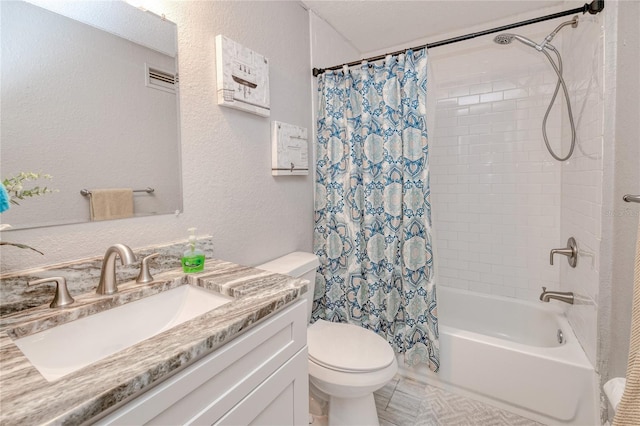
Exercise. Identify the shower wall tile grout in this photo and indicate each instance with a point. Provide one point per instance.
(495, 191)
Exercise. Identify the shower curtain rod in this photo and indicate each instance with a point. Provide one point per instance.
(596, 6)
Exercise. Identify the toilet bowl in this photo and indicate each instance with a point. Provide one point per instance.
(347, 363)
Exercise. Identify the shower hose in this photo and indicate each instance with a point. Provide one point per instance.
(558, 69)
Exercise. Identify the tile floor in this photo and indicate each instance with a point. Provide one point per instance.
(405, 402)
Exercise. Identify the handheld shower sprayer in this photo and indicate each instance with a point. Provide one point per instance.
(507, 38)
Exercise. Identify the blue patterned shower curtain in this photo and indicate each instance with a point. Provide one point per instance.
(373, 214)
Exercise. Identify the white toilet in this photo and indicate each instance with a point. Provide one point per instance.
(346, 362)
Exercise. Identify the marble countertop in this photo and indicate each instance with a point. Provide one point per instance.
(83, 275)
(27, 398)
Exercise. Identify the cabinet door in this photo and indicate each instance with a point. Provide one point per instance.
(218, 382)
(281, 400)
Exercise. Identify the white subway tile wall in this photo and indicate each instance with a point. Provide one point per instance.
(583, 53)
(495, 190)
(500, 202)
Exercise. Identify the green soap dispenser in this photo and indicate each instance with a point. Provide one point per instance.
(193, 258)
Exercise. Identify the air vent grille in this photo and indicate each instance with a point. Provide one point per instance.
(160, 79)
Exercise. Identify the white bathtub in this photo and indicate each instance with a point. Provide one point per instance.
(506, 351)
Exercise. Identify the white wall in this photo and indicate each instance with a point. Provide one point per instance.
(328, 47)
(228, 188)
(627, 181)
(622, 176)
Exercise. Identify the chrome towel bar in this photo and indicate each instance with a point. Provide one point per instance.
(631, 198)
(148, 190)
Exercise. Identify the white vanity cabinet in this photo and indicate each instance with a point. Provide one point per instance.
(259, 378)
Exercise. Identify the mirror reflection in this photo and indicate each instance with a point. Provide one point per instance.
(90, 97)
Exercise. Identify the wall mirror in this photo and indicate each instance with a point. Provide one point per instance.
(90, 96)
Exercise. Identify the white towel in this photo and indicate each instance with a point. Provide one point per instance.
(628, 411)
(112, 203)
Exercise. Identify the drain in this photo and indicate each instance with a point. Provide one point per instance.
(560, 336)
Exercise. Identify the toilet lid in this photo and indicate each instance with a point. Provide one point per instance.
(347, 347)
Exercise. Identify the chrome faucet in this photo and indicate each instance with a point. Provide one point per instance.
(107, 284)
(571, 251)
(563, 296)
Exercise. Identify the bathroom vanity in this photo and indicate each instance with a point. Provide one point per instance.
(258, 378)
(244, 362)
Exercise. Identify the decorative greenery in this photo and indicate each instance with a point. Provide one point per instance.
(16, 191)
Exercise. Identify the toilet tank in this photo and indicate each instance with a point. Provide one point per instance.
(299, 265)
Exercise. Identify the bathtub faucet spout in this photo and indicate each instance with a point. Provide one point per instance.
(563, 296)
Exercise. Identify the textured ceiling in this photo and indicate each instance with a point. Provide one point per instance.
(376, 25)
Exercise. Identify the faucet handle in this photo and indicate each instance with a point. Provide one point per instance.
(571, 251)
(145, 275)
(62, 296)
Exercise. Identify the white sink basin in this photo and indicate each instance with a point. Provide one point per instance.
(69, 347)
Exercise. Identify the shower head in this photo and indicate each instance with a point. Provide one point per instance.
(507, 38)
(503, 39)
